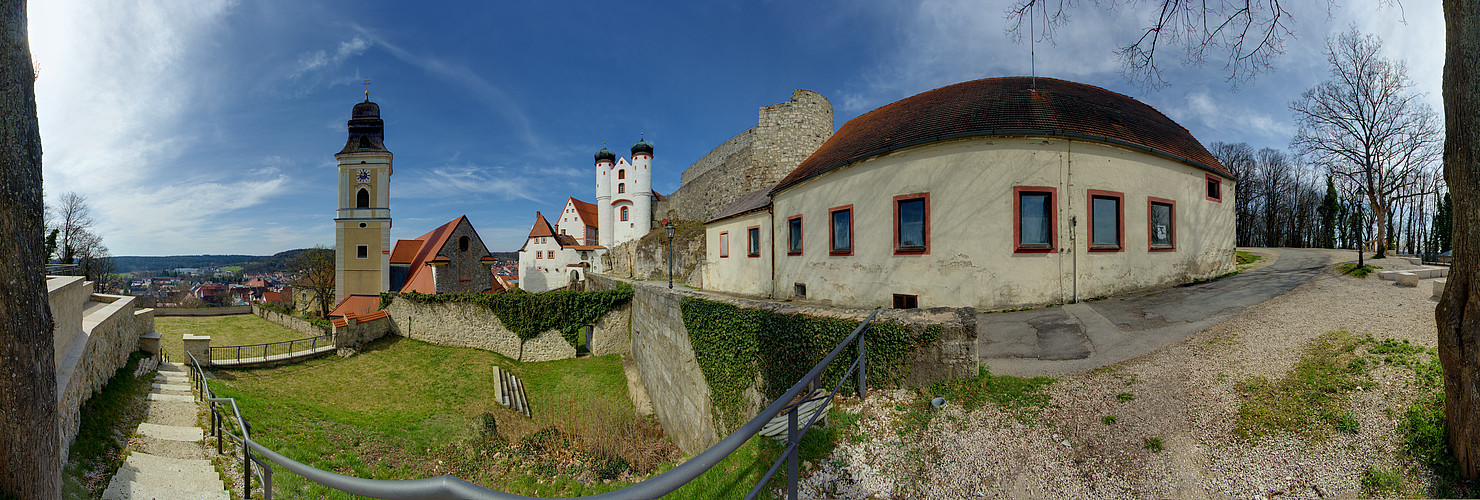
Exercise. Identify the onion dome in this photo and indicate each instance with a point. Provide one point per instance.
(605, 154)
(366, 129)
(643, 147)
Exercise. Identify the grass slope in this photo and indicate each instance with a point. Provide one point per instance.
(238, 329)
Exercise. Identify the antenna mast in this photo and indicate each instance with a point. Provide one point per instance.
(1032, 51)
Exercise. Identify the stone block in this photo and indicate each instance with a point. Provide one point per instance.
(1407, 279)
(149, 342)
(198, 346)
(1388, 275)
(1439, 287)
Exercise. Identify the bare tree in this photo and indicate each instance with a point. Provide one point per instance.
(30, 454)
(315, 268)
(74, 219)
(1239, 158)
(1366, 126)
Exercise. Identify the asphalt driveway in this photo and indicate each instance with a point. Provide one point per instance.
(1089, 335)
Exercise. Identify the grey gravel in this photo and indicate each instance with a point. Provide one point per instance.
(1184, 394)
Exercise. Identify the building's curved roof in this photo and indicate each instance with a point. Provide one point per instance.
(1006, 106)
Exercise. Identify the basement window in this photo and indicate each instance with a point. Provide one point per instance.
(799, 290)
(902, 301)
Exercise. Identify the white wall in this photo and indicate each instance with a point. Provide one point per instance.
(739, 272)
(971, 259)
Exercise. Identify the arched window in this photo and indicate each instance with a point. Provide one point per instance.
(462, 244)
(624, 214)
(621, 174)
(362, 198)
(621, 188)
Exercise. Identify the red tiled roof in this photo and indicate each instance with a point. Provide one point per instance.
(586, 212)
(586, 247)
(659, 197)
(565, 240)
(405, 251)
(1006, 106)
(357, 305)
(418, 278)
(541, 226)
(371, 316)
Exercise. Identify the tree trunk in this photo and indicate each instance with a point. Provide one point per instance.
(30, 456)
(1458, 312)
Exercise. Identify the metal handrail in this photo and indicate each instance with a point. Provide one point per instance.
(203, 392)
(453, 488)
(328, 338)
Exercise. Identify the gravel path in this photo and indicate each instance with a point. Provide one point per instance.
(1183, 393)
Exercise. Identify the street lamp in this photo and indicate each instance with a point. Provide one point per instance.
(668, 228)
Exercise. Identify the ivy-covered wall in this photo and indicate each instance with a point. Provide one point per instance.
(709, 362)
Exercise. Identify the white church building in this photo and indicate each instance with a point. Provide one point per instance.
(554, 255)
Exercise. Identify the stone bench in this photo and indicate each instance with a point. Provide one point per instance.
(1422, 273)
(1407, 279)
(1439, 287)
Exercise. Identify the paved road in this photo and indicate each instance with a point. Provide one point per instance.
(1089, 335)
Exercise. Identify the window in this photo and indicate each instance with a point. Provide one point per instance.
(906, 301)
(794, 235)
(799, 290)
(753, 241)
(621, 174)
(462, 244)
(624, 214)
(362, 251)
(841, 230)
(1106, 226)
(1215, 188)
(1035, 224)
(912, 224)
(621, 188)
(1161, 224)
(362, 198)
(724, 244)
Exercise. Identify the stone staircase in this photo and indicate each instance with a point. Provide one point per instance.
(172, 461)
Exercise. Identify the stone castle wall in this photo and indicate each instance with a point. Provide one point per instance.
(298, 324)
(785, 134)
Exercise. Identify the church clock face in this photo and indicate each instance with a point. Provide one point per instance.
(363, 175)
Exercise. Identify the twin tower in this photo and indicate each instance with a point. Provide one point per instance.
(624, 194)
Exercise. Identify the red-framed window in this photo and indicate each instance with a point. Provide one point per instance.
(724, 244)
(621, 174)
(1035, 219)
(621, 188)
(1106, 220)
(1161, 224)
(794, 235)
(753, 241)
(1214, 187)
(912, 224)
(624, 214)
(840, 230)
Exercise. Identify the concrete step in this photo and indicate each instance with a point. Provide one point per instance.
(172, 413)
(172, 387)
(154, 396)
(171, 367)
(146, 476)
(171, 432)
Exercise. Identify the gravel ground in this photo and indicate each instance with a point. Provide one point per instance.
(1183, 393)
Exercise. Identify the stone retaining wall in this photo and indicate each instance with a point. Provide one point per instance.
(670, 372)
(108, 345)
(296, 323)
(202, 311)
(352, 337)
(472, 325)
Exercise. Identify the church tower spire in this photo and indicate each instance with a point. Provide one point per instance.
(362, 223)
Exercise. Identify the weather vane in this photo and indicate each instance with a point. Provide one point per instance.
(366, 83)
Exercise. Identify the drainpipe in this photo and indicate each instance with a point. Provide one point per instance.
(1073, 220)
(771, 226)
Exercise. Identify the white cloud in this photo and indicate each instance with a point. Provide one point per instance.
(314, 61)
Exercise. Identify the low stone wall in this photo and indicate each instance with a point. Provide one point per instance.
(108, 345)
(296, 323)
(202, 311)
(471, 325)
(670, 372)
(354, 336)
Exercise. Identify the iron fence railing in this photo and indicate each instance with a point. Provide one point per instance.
(238, 352)
(453, 488)
(1436, 258)
(63, 270)
(219, 430)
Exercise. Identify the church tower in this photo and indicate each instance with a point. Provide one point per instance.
(362, 225)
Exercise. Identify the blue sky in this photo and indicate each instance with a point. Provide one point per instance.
(209, 126)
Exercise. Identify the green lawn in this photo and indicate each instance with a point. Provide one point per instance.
(405, 409)
(238, 329)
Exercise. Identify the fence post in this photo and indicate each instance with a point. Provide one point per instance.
(217, 425)
(793, 441)
(862, 366)
(246, 469)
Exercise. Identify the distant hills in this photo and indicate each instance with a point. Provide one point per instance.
(249, 263)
